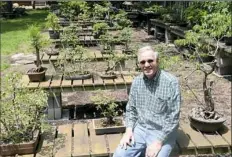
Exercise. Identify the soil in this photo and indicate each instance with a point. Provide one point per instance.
(221, 89)
(103, 123)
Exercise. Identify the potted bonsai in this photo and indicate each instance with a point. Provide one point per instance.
(206, 37)
(109, 109)
(37, 41)
(108, 42)
(71, 61)
(53, 25)
(125, 36)
(99, 29)
(22, 118)
(121, 20)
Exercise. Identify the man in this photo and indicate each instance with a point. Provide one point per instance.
(152, 112)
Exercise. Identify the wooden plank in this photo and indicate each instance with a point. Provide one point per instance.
(226, 134)
(183, 140)
(81, 141)
(216, 140)
(56, 81)
(66, 83)
(53, 58)
(98, 142)
(46, 146)
(98, 83)
(77, 83)
(128, 79)
(33, 84)
(63, 142)
(119, 81)
(109, 84)
(45, 57)
(88, 84)
(98, 55)
(197, 138)
(25, 80)
(113, 140)
(47, 82)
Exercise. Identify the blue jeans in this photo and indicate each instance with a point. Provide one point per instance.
(144, 137)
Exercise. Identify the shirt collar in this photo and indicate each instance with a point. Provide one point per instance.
(155, 78)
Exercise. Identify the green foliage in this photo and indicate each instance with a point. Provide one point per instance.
(99, 11)
(157, 9)
(165, 60)
(72, 9)
(52, 21)
(21, 110)
(37, 41)
(212, 29)
(69, 36)
(125, 36)
(196, 12)
(122, 20)
(100, 27)
(106, 104)
(72, 60)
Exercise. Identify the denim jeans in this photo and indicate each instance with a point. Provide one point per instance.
(144, 137)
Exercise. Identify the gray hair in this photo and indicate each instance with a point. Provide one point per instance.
(148, 48)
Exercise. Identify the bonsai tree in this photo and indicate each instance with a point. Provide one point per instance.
(53, 24)
(108, 41)
(106, 104)
(204, 39)
(100, 11)
(121, 20)
(100, 29)
(21, 110)
(72, 63)
(125, 36)
(37, 41)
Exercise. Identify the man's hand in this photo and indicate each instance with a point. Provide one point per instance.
(153, 149)
(128, 139)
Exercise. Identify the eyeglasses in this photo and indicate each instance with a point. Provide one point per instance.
(148, 61)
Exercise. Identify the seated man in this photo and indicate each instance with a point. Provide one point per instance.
(152, 112)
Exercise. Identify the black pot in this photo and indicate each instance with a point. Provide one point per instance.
(37, 76)
(206, 126)
(54, 34)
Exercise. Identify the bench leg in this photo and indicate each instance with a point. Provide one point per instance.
(54, 106)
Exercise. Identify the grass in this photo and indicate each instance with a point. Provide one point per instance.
(15, 34)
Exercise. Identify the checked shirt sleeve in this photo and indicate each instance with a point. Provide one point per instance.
(173, 111)
(131, 112)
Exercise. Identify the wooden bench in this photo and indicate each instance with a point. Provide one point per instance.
(79, 140)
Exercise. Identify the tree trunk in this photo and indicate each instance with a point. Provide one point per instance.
(38, 63)
(207, 90)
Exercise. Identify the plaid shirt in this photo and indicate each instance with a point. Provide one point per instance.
(154, 103)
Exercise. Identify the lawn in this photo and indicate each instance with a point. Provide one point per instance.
(14, 32)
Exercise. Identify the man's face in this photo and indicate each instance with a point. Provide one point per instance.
(148, 63)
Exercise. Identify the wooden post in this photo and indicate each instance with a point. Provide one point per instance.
(54, 106)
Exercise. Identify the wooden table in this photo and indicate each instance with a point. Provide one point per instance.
(55, 84)
(79, 140)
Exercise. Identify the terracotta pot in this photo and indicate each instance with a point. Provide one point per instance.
(36, 76)
(21, 148)
(108, 130)
(206, 126)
